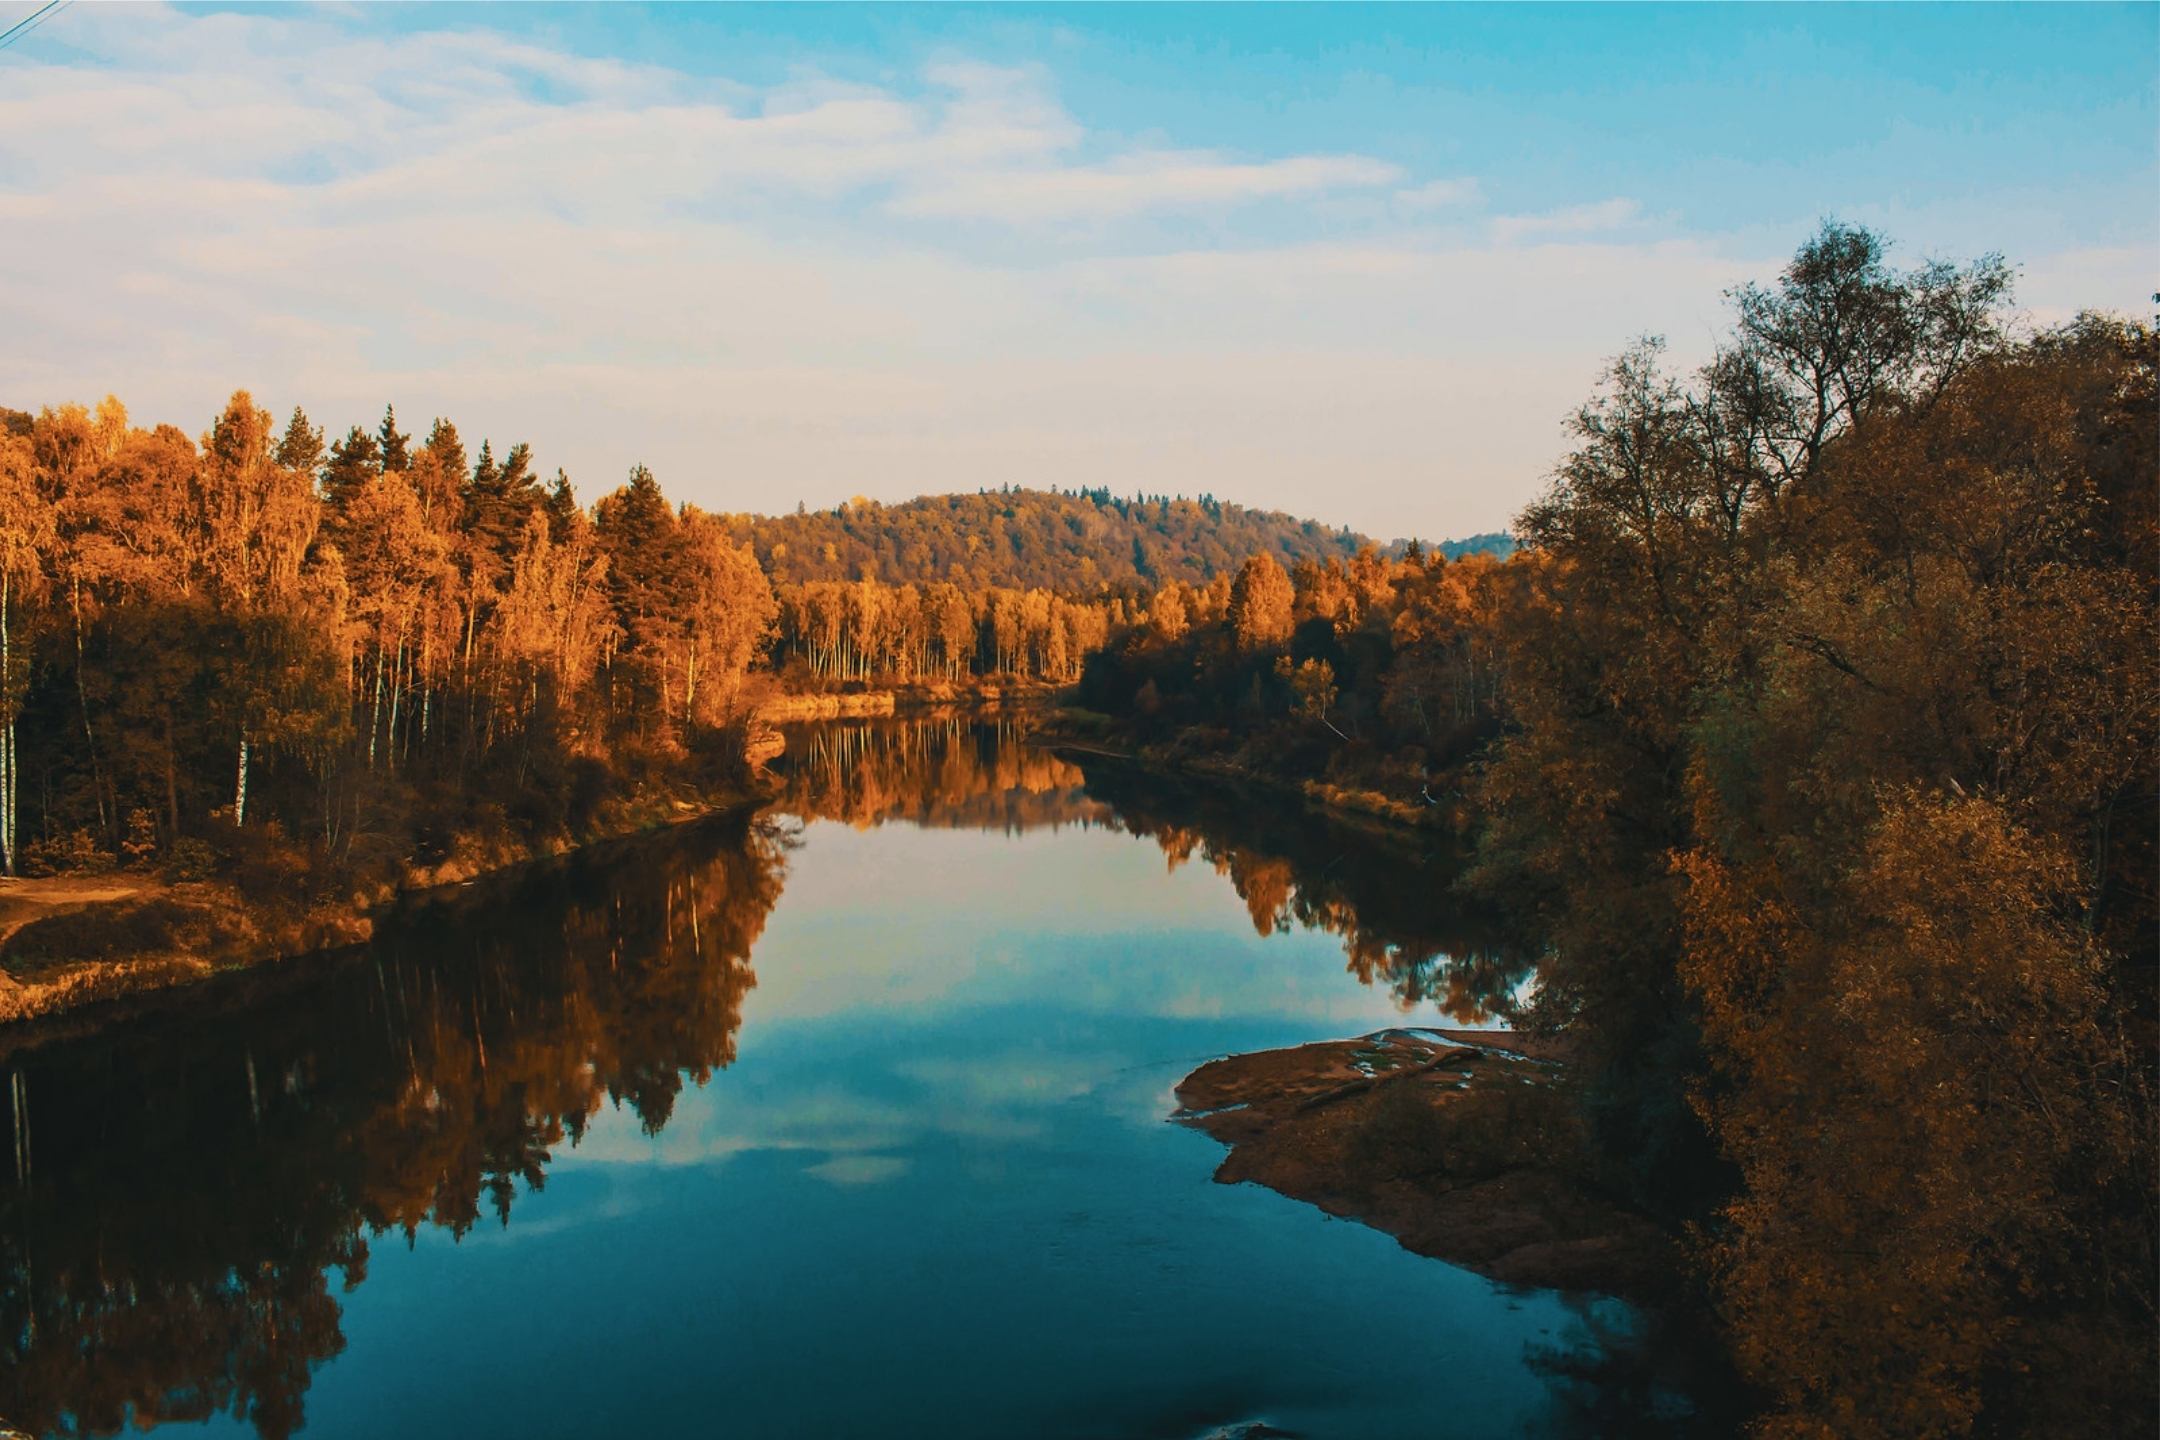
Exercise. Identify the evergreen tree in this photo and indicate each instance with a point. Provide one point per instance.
(301, 447)
(354, 461)
(394, 448)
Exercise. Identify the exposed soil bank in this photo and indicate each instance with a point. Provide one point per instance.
(767, 743)
(1448, 1140)
(73, 940)
(70, 941)
(788, 709)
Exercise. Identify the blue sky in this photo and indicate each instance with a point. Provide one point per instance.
(1353, 262)
(1736, 118)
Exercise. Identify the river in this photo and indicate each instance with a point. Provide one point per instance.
(844, 1119)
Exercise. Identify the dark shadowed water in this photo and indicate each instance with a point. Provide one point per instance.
(844, 1121)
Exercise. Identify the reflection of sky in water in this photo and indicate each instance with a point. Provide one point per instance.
(935, 1196)
(1093, 918)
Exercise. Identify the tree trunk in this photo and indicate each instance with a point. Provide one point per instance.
(239, 809)
(7, 797)
(374, 722)
(390, 742)
(172, 778)
(82, 696)
(7, 739)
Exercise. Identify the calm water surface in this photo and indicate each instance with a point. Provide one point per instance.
(846, 1121)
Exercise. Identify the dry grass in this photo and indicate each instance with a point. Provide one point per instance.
(70, 941)
(23, 901)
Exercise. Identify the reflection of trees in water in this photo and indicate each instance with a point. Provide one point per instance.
(193, 1178)
(191, 1181)
(1621, 1373)
(1388, 901)
(943, 772)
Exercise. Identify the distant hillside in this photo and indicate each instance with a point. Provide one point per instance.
(1060, 540)
(1073, 542)
(1496, 543)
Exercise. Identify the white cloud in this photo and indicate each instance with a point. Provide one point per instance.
(2055, 288)
(644, 266)
(860, 1169)
(691, 276)
(805, 291)
(1134, 183)
(1440, 194)
(1574, 220)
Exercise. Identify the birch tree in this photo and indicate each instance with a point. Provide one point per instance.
(25, 532)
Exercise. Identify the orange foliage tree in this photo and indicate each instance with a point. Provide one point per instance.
(1830, 780)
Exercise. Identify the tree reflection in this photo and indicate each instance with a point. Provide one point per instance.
(1617, 1372)
(1385, 896)
(1388, 896)
(193, 1182)
(946, 773)
(187, 1183)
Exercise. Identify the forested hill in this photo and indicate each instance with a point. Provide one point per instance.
(1073, 542)
(1496, 543)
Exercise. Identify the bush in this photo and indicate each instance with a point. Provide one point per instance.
(104, 932)
(77, 853)
(188, 858)
(267, 866)
(590, 782)
(141, 845)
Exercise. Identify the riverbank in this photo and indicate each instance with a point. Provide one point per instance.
(1458, 1143)
(76, 940)
(797, 706)
(766, 742)
(1082, 732)
(71, 941)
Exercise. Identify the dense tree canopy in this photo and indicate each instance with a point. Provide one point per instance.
(1369, 672)
(378, 647)
(362, 652)
(905, 634)
(1076, 543)
(1830, 772)
(1811, 736)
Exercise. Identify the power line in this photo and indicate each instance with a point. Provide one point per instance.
(31, 21)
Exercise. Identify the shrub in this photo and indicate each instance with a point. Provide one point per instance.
(188, 858)
(141, 843)
(77, 853)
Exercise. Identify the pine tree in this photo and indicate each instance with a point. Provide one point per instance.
(353, 462)
(395, 448)
(301, 447)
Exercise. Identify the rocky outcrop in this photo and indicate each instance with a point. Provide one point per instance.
(1455, 1142)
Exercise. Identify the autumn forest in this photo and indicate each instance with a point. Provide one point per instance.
(1799, 741)
(258, 619)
